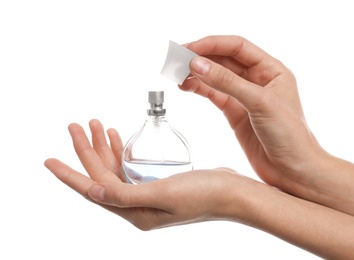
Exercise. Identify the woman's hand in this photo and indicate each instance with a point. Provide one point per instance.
(259, 98)
(184, 198)
(201, 195)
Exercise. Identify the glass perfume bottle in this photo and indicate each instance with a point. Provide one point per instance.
(157, 150)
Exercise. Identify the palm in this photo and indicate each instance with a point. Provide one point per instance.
(182, 202)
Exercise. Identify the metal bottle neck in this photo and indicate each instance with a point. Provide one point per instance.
(156, 110)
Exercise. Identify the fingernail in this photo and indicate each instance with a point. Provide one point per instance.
(200, 65)
(97, 192)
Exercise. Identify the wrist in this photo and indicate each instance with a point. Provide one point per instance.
(305, 224)
(325, 180)
(240, 199)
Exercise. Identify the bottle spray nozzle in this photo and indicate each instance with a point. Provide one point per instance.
(156, 99)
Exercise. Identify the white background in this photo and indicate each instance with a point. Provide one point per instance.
(71, 61)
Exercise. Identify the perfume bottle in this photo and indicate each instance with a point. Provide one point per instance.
(157, 150)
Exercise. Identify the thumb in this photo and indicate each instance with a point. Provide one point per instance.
(124, 195)
(224, 80)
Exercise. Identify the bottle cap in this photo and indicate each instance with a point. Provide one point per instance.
(156, 97)
(176, 66)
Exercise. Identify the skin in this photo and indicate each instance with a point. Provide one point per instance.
(259, 97)
(306, 198)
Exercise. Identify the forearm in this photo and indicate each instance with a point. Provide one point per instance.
(323, 231)
(329, 182)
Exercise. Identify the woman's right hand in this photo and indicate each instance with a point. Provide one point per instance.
(259, 98)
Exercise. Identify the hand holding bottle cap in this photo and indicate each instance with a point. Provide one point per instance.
(177, 61)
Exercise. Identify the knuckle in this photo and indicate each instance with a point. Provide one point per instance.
(121, 198)
(266, 102)
(224, 78)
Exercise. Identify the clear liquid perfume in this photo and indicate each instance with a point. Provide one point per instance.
(157, 150)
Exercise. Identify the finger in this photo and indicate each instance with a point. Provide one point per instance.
(75, 180)
(237, 47)
(124, 195)
(140, 204)
(117, 149)
(240, 56)
(143, 218)
(219, 99)
(88, 156)
(82, 184)
(227, 104)
(222, 79)
(100, 145)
